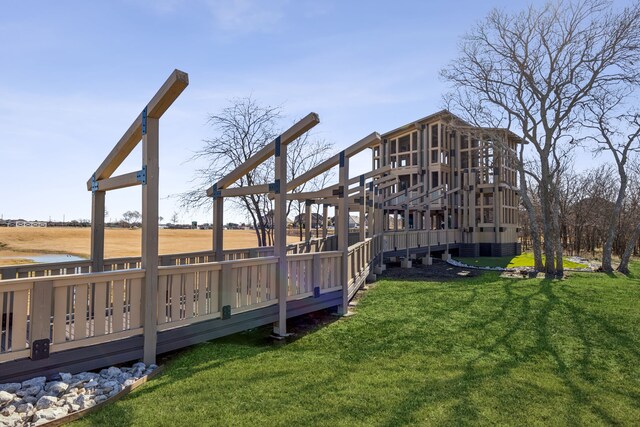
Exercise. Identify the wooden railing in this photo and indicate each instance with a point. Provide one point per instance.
(359, 264)
(420, 239)
(307, 271)
(72, 310)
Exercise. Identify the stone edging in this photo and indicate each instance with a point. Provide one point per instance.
(79, 414)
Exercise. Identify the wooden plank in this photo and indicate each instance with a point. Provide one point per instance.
(214, 291)
(175, 283)
(343, 233)
(80, 312)
(99, 308)
(254, 284)
(121, 181)
(161, 101)
(244, 286)
(189, 295)
(293, 278)
(280, 240)
(60, 298)
(244, 191)
(40, 313)
(3, 342)
(202, 292)
(163, 299)
(19, 328)
(118, 306)
(135, 303)
(298, 129)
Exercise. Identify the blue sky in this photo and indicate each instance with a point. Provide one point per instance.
(75, 74)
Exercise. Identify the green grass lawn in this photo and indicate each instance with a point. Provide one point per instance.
(473, 351)
(523, 260)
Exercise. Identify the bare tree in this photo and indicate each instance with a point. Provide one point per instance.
(241, 130)
(131, 217)
(536, 70)
(608, 117)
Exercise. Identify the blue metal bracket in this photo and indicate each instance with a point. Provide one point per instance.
(274, 187)
(226, 312)
(316, 292)
(94, 184)
(141, 175)
(215, 193)
(361, 180)
(339, 191)
(144, 121)
(309, 202)
(342, 158)
(277, 149)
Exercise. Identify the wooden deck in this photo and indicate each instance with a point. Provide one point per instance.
(95, 319)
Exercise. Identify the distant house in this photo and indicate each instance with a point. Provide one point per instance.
(316, 220)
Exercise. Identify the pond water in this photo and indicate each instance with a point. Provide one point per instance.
(51, 258)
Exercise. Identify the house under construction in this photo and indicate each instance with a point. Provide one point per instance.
(452, 176)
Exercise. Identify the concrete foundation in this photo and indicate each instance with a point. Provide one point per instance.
(427, 260)
(406, 263)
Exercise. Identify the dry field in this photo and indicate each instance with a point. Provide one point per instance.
(18, 243)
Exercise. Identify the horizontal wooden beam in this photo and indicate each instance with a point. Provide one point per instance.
(161, 101)
(120, 181)
(287, 136)
(371, 174)
(244, 191)
(366, 142)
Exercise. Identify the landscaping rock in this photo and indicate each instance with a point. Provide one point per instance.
(6, 397)
(24, 408)
(11, 387)
(46, 402)
(36, 401)
(57, 387)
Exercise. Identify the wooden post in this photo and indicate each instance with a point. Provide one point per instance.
(280, 235)
(343, 235)
(218, 228)
(362, 235)
(325, 219)
(150, 234)
(97, 230)
(307, 220)
(40, 318)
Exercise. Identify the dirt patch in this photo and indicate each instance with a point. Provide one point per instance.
(439, 270)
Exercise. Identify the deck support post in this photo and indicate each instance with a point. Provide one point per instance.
(325, 219)
(280, 236)
(97, 230)
(362, 207)
(218, 229)
(343, 230)
(150, 237)
(307, 220)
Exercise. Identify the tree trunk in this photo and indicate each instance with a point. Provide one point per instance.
(559, 270)
(626, 256)
(533, 220)
(613, 222)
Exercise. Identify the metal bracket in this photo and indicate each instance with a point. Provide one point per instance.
(316, 292)
(40, 349)
(361, 180)
(94, 184)
(309, 202)
(339, 191)
(144, 121)
(342, 158)
(274, 187)
(226, 312)
(215, 193)
(370, 203)
(277, 148)
(141, 175)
